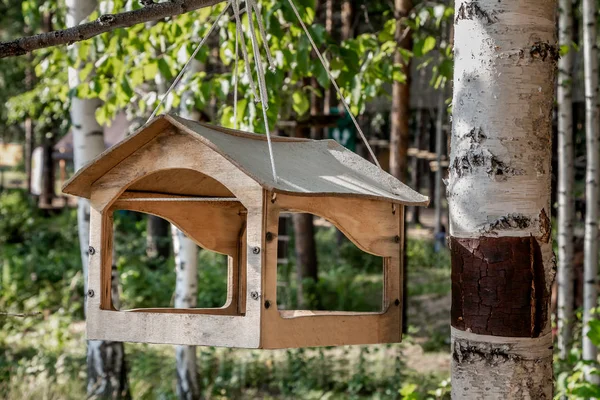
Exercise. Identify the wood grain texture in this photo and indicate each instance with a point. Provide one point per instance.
(214, 226)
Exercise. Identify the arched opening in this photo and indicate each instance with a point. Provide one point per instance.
(180, 182)
(205, 212)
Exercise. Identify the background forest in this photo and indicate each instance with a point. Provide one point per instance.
(393, 62)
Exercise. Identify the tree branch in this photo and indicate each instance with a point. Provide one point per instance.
(106, 23)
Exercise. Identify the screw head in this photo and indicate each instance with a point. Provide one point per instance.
(256, 250)
(254, 295)
(90, 293)
(91, 251)
(267, 304)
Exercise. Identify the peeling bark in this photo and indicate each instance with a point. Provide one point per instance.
(498, 194)
(498, 286)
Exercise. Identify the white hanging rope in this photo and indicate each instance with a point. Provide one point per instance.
(333, 81)
(235, 78)
(262, 86)
(187, 64)
(240, 33)
(263, 34)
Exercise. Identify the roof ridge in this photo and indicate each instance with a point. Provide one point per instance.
(232, 132)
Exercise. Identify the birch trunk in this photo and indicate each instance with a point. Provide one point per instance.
(499, 199)
(186, 286)
(590, 261)
(439, 146)
(399, 135)
(186, 295)
(107, 375)
(566, 176)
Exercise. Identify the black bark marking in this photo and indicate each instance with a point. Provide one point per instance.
(107, 378)
(466, 163)
(544, 51)
(94, 133)
(511, 221)
(472, 11)
(476, 135)
(498, 286)
(465, 353)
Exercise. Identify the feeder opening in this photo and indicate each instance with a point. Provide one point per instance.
(201, 209)
(152, 275)
(325, 270)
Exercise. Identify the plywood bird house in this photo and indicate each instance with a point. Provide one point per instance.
(216, 185)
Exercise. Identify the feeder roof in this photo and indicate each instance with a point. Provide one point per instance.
(304, 167)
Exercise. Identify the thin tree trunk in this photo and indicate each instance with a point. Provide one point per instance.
(306, 257)
(439, 148)
(186, 287)
(29, 128)
(47, 174)
(499, 199)
(105, 360)
(347, 19)
(400, 129)
(157, 238)
(329, 99)
(566, 176)
(186, 296)
(592, 195)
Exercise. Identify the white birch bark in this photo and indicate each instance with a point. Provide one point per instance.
(186, 294)
(499, 187)
(105, 360)
(186, 286)
(566, 177)
(590, 261)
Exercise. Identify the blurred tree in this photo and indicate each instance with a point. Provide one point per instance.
(592, 187)
(107, 373)
(566, 178)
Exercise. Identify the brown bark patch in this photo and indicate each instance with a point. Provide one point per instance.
(498, 286)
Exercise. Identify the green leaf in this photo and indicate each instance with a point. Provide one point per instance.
(594, 332)
(164, 68)
(85, 71)
(428, 44)
(301, 104)
(150, 70)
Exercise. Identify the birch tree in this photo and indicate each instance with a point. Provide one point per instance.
(592, 132)
(106, 360)
(186, 284)
(499, 198)
(566, 176)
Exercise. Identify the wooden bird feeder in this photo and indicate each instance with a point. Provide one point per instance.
(216, 185)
